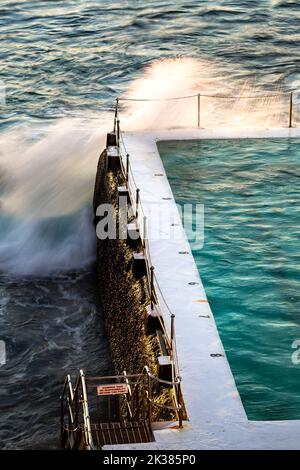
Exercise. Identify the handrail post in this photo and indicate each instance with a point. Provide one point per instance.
(137, 200)
(180, 417)
(62, 412)
(116, 114)
(86, 415)
(291, 111)
(172, 334)
(129, 406)
(152, 286)
(76, 404)
(118, 133)
(127, 169)
(176, 387)
(149, 401)
(144, 232)
(66, 403)
(198, 111)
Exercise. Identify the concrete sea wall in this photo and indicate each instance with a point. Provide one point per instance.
(124, 296)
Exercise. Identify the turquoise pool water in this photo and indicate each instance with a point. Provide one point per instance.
(250, 261)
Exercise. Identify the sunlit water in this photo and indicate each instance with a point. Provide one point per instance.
(250, 260)
(62, 65)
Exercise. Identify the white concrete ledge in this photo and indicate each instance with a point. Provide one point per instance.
(217, 416)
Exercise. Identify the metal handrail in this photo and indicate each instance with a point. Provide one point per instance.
(107, 377)
(129, 392)
(131, 182)
(148, 395)
(175, 383)
(176, 388)
(75, 404)
(159, 405)
(200, 95)
(151, 278)
(67, 383)
(86, 414)
(138, 396)
(68, 405)
(207, 95)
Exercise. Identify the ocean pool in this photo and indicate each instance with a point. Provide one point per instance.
(250, 261)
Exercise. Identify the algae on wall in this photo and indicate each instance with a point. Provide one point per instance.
(124, 297)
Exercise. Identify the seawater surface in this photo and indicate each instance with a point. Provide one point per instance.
(62, 64)
(52, 326)
(71, 56)
(250, 262)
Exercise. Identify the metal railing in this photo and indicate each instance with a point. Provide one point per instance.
(66, 406)
(140, 400)
(74, 406)
(287, 108)
(133, 404)
(146, 377)
(157, 298)
(156, 294)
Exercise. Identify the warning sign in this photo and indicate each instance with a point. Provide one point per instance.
(112, 389)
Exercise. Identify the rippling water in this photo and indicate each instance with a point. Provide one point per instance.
(250, 260)
(52, 326)
(75, 56)
(62, 65)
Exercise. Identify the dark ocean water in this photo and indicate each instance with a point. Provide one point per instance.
(70, 59)
(52, 326)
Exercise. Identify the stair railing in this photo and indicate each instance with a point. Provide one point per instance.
(66, 406)
(74, 405)
(140, 396)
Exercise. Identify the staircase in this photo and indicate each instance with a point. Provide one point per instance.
(110, 410)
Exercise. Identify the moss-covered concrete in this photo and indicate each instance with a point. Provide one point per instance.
(124, 297)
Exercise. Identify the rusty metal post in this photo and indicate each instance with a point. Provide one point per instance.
(152, 286)
(127, 169)
(137, 201)
(291, 111)
(198, 111)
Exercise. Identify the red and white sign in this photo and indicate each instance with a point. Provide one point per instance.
(112, 389)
